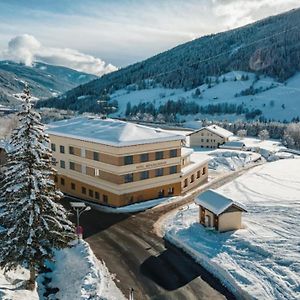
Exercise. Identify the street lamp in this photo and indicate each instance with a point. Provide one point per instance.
(80, 208)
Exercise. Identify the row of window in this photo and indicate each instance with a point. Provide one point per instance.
(145, 174)
(207, 141)
(127, 177)
(128, 160)
(192, 177)
(85, 191)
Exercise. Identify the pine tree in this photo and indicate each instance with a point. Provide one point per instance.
(34, 222)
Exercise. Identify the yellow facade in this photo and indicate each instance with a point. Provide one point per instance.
(119, 176)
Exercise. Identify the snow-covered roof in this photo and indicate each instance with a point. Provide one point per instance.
(233, 145)
(110, 132)
(217, 130)
(216, 202)
(196, 159)
(186, 151)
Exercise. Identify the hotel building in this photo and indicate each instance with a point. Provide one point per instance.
(117, 163)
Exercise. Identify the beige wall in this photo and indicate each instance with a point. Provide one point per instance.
(207, 139)
(230, 221)
(113, 199)
(197, 181)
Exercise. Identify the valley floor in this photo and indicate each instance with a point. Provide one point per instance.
(263, 258)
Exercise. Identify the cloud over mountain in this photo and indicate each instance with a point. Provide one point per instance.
(27, 49)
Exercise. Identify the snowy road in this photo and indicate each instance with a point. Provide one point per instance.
(143, 261)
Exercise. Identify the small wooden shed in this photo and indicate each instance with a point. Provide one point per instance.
(219, 212)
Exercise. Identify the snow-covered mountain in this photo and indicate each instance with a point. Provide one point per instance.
(235, 95)
(269, 47)
(44, 80)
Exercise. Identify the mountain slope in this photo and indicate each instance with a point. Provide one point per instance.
(44, 80)
(270, 46)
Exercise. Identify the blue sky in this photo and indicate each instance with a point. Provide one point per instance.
(123, 32)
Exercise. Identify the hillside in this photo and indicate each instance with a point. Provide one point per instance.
(44, 80)
(270, 47)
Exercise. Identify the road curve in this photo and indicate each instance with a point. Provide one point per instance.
(144, 261)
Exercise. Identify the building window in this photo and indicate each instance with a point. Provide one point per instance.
(62, 164)
(144, 157)
(159, 155)
(159, 172)
(96, 156)
(73, 186)
(83, 190)
(183, 162)
(62, 149)
(192, 178)
(204, 171)
(71, 150)
(173, 153)
(97, 172)
(53, 147)
(105, 199)
(128, 160)
(72, 165)
(207, 140)
(173, 169)
(144, 175)
(97, 195)
(62, 181)
(198, 174)
(55, 178)
(128, 177)
(202, 140)
(170, 191)
(185, 183)
(161, 193)
(91, 193)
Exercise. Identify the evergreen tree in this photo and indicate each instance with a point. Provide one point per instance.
(34, 222)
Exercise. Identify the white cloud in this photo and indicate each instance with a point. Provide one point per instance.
(27, 49)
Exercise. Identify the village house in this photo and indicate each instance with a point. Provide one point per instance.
(209, 137)
(117, 163)
(219, 212)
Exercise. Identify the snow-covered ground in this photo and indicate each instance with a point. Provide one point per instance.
(278, 101)
(263, 258)
(133, 208)
(77, 273)
(231, 160)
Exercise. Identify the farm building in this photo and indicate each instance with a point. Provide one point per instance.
(209, 137)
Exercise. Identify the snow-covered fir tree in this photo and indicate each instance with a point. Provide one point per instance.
(34, 222)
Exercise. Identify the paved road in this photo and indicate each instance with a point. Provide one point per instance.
(142, 260)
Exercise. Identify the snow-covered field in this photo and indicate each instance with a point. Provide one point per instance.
(269, 100)
(262, 259)
(77, 273)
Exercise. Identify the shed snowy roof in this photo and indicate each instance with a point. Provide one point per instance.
(216, 202)
(217, 130)
(110, 132)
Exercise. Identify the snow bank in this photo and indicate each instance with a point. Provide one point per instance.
(263, 258)
(223, 160)
(133, 208)
(80, 275)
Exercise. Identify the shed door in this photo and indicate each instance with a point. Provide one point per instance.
(208, 221)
